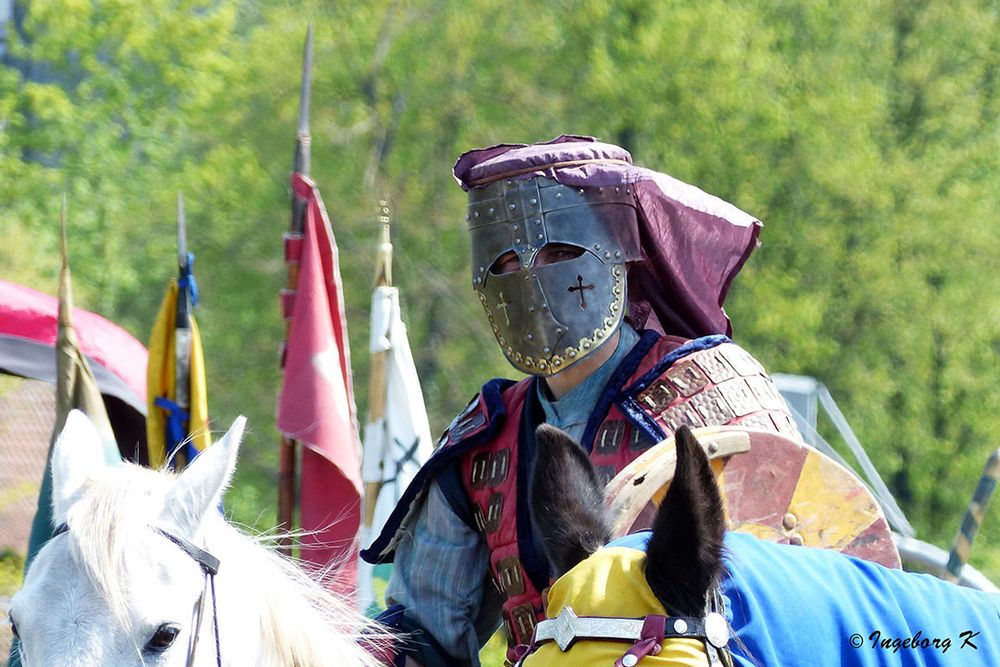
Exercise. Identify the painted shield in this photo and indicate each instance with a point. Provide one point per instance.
(773, 487)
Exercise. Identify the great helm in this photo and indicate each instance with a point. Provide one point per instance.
(548, 317)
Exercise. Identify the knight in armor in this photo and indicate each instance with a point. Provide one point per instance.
(604, 283)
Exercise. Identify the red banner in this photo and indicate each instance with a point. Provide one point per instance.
(316, 405)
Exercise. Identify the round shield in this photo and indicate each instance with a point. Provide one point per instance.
(773, 487)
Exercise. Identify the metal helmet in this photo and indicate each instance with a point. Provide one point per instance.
(548, 317)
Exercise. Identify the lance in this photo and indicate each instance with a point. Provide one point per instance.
(301, 164)
(377, 378)
(973, 518)
(182, 331)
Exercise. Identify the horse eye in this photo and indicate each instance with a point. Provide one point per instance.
(13, 627)
(163, 638)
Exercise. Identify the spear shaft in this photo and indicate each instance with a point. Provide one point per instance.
(379, 360)
(288, 452)
(182, 323)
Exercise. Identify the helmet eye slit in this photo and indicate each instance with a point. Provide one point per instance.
(509, 262)
(555, 253)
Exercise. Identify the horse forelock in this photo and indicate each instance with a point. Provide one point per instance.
(116, 510)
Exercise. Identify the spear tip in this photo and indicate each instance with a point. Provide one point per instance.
(181, 231)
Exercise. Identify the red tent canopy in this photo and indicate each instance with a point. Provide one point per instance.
(28, 329)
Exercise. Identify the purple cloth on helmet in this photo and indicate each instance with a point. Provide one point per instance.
(693, 243)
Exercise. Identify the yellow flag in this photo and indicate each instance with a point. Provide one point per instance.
(161, 383)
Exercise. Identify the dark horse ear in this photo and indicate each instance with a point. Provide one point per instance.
(567, 501)
(684, 556)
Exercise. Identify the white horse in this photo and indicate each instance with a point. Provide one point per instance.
(128, 580)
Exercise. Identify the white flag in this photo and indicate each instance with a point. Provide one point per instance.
(398, 443)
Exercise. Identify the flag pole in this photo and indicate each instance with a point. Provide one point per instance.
(288, 451)
(973, 518)
(377, 378)
(182, 329)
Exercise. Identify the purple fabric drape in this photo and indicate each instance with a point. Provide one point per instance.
(693, 243)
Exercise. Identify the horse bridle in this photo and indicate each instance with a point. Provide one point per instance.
(209, 565)
(646, 633)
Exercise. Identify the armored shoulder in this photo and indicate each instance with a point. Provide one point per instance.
(712, 381)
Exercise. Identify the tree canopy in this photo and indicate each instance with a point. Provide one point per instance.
(864, 135)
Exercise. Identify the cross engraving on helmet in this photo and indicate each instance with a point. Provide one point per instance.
(505, 305)
(579, 287)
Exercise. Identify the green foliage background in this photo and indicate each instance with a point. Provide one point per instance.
(864, 135)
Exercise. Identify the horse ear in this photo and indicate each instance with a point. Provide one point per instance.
(567, 501)
(200, 486)
(684, 556)
(76, 455)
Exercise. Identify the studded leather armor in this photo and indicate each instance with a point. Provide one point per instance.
(709, 381)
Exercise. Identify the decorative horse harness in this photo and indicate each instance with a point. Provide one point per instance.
(647, 633)
(209, 565)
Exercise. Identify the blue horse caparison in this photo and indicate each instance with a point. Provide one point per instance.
(791, 606)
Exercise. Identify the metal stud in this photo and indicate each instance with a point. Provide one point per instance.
(516, 228)
(532, 201)
(475, 214)
(571, 353)
(713, 448)
(541, 236)
(558, 195)
(607, 255)
(559, 331)
(790, 521)
(511, 206)
(618, 255)
(517, 241)
(630, 660)
(597, 246)
(538, 221)
(491, 210)
(531, 336)
(680, 626)
(531, 309)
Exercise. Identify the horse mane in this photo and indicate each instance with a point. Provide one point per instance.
(302, 623)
